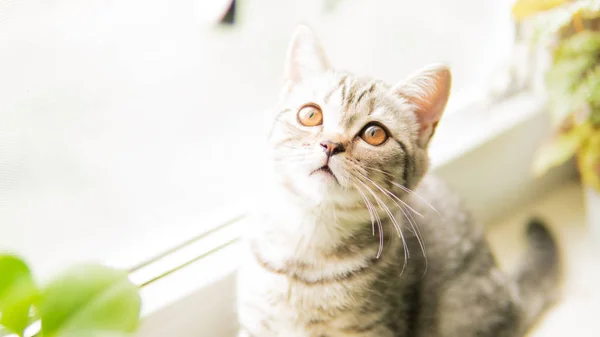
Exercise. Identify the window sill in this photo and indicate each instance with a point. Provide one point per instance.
(191, 291)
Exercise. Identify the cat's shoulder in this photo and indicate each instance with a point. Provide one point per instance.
(434, 187)
(441, 204)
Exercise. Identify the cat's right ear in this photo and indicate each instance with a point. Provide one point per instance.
(305, 57)
(428, 92)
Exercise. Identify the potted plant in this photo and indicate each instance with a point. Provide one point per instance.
(85, 301)
(571, 30)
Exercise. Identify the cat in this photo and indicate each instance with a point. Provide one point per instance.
(352, 237)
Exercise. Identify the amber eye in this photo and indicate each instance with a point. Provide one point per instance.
(310, 115)
(374, 134)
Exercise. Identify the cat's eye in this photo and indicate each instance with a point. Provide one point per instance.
(310, 115)
(374, 134)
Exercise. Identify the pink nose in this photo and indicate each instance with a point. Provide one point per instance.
(332, 148)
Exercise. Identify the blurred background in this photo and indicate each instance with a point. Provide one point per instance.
(129, 128)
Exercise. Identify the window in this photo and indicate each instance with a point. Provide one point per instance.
(128, 127)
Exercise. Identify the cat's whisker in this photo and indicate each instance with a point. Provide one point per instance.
(419, 236)
(407, 215)
(372, 214)
(294, 147)
(408, 190)
(377, 170)
(396, 225)
(379, 223)
(386, 191)
(402, 187)
(384, 207)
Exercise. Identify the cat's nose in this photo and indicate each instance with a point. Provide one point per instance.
(332, 148)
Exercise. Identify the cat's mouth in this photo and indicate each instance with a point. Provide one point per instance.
(325, 169)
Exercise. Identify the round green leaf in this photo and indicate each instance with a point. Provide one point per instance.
(17, 293)
(89, 300)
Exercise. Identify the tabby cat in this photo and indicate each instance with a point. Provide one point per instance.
(352, 237)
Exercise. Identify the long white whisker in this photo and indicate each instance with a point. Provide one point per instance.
(386, 191)
(404, 188)
(364, 197)
(419, 236)
(408, 190)
(372, 214)
(394, 222)
(377, 170)
(408, 216)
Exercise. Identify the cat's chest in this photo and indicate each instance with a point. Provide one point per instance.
(309, 289)
(297, 307)
(332, 288)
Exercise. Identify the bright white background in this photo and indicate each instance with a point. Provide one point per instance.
(128, 126)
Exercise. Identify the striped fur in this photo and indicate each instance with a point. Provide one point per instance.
(381, 248)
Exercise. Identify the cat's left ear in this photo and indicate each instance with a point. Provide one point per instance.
(428, 91)
(305, 57)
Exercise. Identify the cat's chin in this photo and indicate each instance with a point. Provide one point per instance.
(325, 175)
(319, 189)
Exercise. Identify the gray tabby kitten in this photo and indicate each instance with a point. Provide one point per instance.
(353, 238)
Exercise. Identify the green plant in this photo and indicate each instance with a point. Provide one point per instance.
(572, 28)
(85, 301)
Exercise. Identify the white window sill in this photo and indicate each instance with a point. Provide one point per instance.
(191, 291)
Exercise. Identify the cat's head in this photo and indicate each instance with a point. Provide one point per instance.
(340, 137)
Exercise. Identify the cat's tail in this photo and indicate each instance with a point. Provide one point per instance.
(538, 276)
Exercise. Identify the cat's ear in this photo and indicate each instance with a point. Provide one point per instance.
(305, 56)
(428, 91)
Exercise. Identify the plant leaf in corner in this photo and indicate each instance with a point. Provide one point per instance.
(90, 300)
(559, 149)
(17, 293)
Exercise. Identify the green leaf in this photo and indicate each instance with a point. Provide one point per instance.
(559, 149)
(595, 116)
(551, 22)
(585, 43)
(563, 81)
(17, 293)
(590, 88)
(90, 300)
(573, 81)
(588, 160)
